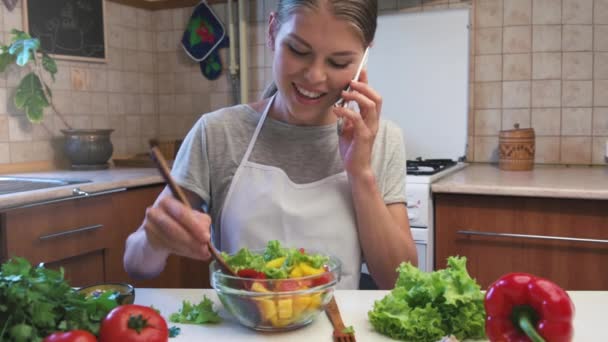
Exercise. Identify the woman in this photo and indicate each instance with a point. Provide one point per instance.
(276, 169)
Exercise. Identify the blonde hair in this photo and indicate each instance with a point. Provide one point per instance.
(361, 14)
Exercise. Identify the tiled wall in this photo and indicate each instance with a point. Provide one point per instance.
(542, 64)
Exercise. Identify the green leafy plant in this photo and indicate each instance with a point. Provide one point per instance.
(33, 94)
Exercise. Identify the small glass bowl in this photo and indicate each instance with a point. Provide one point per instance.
(126, 292)
(276, 304)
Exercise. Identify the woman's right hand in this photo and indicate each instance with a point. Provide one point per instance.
(176, 228)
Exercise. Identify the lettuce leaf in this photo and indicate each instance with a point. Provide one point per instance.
(427, 306)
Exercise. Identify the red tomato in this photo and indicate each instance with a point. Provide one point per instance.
(133, 323)
(71, 336)
(287, 285)
(251, 273)
(323, 278)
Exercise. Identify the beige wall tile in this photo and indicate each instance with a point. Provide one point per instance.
(546, 38)
(546, 65)
(5, 153)
(600, 66)
(101, 122)
(163, 20)
(487, 122)
(517, 12)
(577, 11)
(488, 95)
(546, 121)
(576, 121)
(600, 11)
(129, 40)
(600, 37)
(4, 136)
(510, 117)
(133, 126)
(148, 104)
(516, 39)
(486, 149)
(576, 150)
(600, 89)
(166, 103)
(516, 94)
(119, 124)
(546, 93)
(487, 68)
(115, 34)
(81, 103)
(547, 150)
(183, 104)
(99, 103)
(516, 67)
(577, 93)
(3, 101)
(600, 121)
(488, 41)
(143, 18)
(546, 12)
(577, 38)
(114, 59)
(147, 84)
(387, 5)
(577, 65)
(201, 104)
(598, 150)
(19, 129)
(489, 13)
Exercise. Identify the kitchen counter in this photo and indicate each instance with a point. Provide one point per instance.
(354, 305)
(579, 182)
(100, 181)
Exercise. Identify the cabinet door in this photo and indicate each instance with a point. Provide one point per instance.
(74, 234)
(128, 212)
(470, 225)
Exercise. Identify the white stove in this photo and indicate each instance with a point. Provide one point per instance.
(421, 174)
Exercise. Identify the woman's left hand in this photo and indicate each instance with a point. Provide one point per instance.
(359, 129)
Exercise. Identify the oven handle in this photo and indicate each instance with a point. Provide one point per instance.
(528, 236)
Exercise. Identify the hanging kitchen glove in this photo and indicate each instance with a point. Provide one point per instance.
(522, 307)
(203, 36)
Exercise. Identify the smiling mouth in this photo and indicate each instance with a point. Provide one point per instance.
(307, 94)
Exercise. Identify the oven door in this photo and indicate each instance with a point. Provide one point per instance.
(421, 238)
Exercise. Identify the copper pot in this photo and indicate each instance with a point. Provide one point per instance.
(516, 149)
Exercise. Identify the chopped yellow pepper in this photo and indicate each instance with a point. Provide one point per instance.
(276, 263)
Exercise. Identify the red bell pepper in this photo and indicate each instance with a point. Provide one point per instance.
(522, 307)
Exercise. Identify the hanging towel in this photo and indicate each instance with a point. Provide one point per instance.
(203, 37)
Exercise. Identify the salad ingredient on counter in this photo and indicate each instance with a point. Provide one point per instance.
(428, 306)
(37, 302)
(71, 336)
(133, 323)
(521, 306)
(200, 313)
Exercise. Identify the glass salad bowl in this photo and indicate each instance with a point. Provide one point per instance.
(277, 304)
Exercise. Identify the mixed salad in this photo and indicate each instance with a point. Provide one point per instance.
(277, 271)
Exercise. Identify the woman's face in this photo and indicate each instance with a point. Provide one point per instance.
(315, 57)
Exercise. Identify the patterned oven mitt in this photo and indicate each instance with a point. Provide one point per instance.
(202, 39)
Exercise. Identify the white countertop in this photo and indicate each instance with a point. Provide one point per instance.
(589, 320)
(100, 180)
(580, 182)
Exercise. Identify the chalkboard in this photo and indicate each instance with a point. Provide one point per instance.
(68, 29)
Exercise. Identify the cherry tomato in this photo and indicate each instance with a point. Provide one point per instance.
(71, 336)
(133, 323)
(323, 278)
(251, 273)
(287, 285)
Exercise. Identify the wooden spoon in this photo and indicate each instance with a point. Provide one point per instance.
(161, 164)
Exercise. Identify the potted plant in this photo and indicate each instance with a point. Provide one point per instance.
(85, 148)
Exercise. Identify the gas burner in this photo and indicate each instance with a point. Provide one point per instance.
(420, 167)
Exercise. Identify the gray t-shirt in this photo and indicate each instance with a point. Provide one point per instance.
(214, 147)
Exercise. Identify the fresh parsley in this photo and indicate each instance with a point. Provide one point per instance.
(36, 301)
(349, 330)
(200, 313)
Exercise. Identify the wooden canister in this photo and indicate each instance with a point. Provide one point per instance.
(516, 149)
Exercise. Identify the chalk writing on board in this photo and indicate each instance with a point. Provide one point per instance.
(68, 27)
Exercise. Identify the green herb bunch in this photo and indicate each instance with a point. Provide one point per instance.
(35, 302)
(32, 94)
(428, 306)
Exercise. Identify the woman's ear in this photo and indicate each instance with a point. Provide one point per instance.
(273, 26)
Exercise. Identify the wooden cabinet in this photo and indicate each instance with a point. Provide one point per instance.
(501, 234)
(86, 236)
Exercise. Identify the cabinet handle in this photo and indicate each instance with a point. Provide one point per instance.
(76, 193)
(70, 232)
(528, 236)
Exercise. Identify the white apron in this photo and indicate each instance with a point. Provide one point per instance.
(263, 204)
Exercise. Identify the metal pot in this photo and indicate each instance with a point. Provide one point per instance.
(88, 149)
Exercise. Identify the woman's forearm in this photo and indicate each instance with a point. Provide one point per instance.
(384, 234)
(142, 261)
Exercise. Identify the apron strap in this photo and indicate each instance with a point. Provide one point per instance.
(258, 128)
